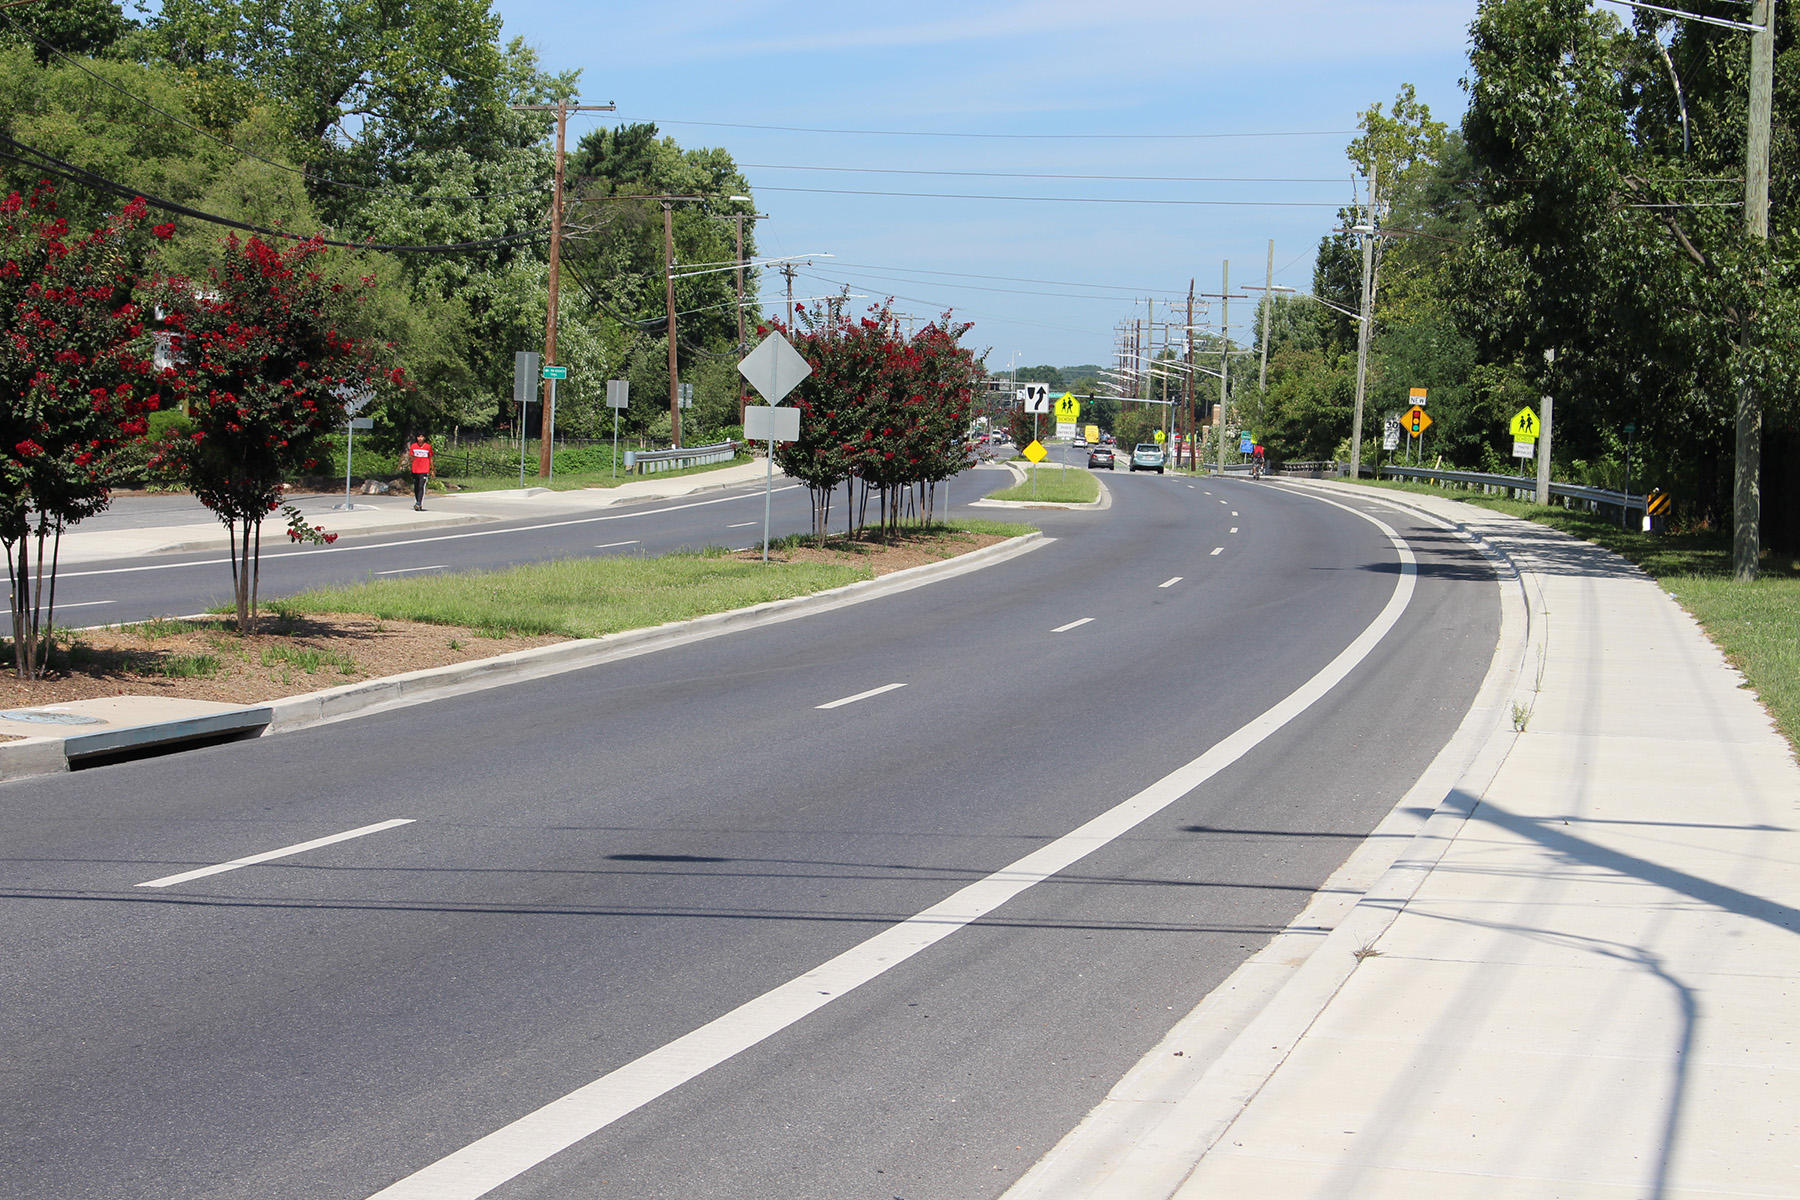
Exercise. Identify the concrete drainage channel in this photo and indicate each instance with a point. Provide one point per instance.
(88, 733)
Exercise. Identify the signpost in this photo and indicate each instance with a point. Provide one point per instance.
(354, 401)
(774, 369)
(1524, 430)
(1068, 411)
(1390, 434)
(618, 395)
(525, 378)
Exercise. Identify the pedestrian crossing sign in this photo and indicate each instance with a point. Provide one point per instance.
(1525, 426)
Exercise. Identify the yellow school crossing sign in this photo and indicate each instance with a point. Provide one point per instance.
(1524, 426)
(1068, 409)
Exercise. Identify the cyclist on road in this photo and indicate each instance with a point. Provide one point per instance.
(1257, 461)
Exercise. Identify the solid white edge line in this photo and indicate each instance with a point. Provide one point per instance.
(87, 604)
(742, 525)
(408, 570)
(610, 545)
(357, 547)
(1170, 582)
(1071, 625)
(513, 1149)
(861, 696)
(270, 855)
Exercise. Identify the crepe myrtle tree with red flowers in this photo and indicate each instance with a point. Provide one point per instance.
(265, 359)
(76, 376)
(885, 410)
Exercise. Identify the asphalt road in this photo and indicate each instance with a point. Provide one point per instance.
(135, 589)
(602, 862)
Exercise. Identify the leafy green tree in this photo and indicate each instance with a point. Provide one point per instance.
(71, 26)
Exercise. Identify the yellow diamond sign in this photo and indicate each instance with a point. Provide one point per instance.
(1035, 452)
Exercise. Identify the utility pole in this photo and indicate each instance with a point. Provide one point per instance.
(1746, 545)
(1224, 360)
(1362, 334)
(1188, 334)
(562, 109)
(669, 298)
(1546, 423)
(1262, 378)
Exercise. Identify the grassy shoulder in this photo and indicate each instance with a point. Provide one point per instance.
(1053, 485)
(1757, 625)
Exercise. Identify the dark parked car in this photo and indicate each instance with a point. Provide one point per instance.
(1100, 456)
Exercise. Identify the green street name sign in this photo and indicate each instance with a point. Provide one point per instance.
(556, 372)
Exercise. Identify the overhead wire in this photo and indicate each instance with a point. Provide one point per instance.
(38, 160)
(292, 170)
(1001, 136)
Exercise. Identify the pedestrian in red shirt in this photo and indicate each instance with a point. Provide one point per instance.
(418, 462)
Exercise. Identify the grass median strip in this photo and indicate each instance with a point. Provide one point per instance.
(1053, 485)
(582, 597)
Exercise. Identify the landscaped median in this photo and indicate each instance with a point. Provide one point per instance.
(1757, 625)
(371, 631)
(1052, 485)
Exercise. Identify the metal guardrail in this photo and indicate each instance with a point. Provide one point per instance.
(648, 462)
(1592, 498)
(1314, 470)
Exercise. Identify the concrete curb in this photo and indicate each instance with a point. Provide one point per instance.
(415, 687)
(1145, 1138)
(44, 756)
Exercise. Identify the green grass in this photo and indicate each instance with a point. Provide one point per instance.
(577, 480)
(189, 666)
(307, 659)
(582, 597)
(1054, 485)
(1757, 625)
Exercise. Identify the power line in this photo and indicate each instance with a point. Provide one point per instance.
(1064, 199)
(1108, 137)
(1007, 278)
(303, 173)
(40, 161)
(1042, 175)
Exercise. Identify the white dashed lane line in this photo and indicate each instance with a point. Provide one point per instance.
(271, 855)
(1071, 625)
(1169, 582)
(862, 695)
(1234, 529)
(1218, 549)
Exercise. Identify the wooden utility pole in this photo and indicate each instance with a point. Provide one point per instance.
(1188, 335)
(562, 109)
(1224, 360)
(1746, 541)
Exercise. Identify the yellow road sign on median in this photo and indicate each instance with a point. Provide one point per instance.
(1524, 426)
(1035, 452)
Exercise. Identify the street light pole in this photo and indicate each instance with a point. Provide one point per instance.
(1362, 334)
(669, 297)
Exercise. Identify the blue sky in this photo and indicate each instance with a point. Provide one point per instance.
(1207, 91)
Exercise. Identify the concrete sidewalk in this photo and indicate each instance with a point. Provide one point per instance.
(118, 535)
(1578, 978)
